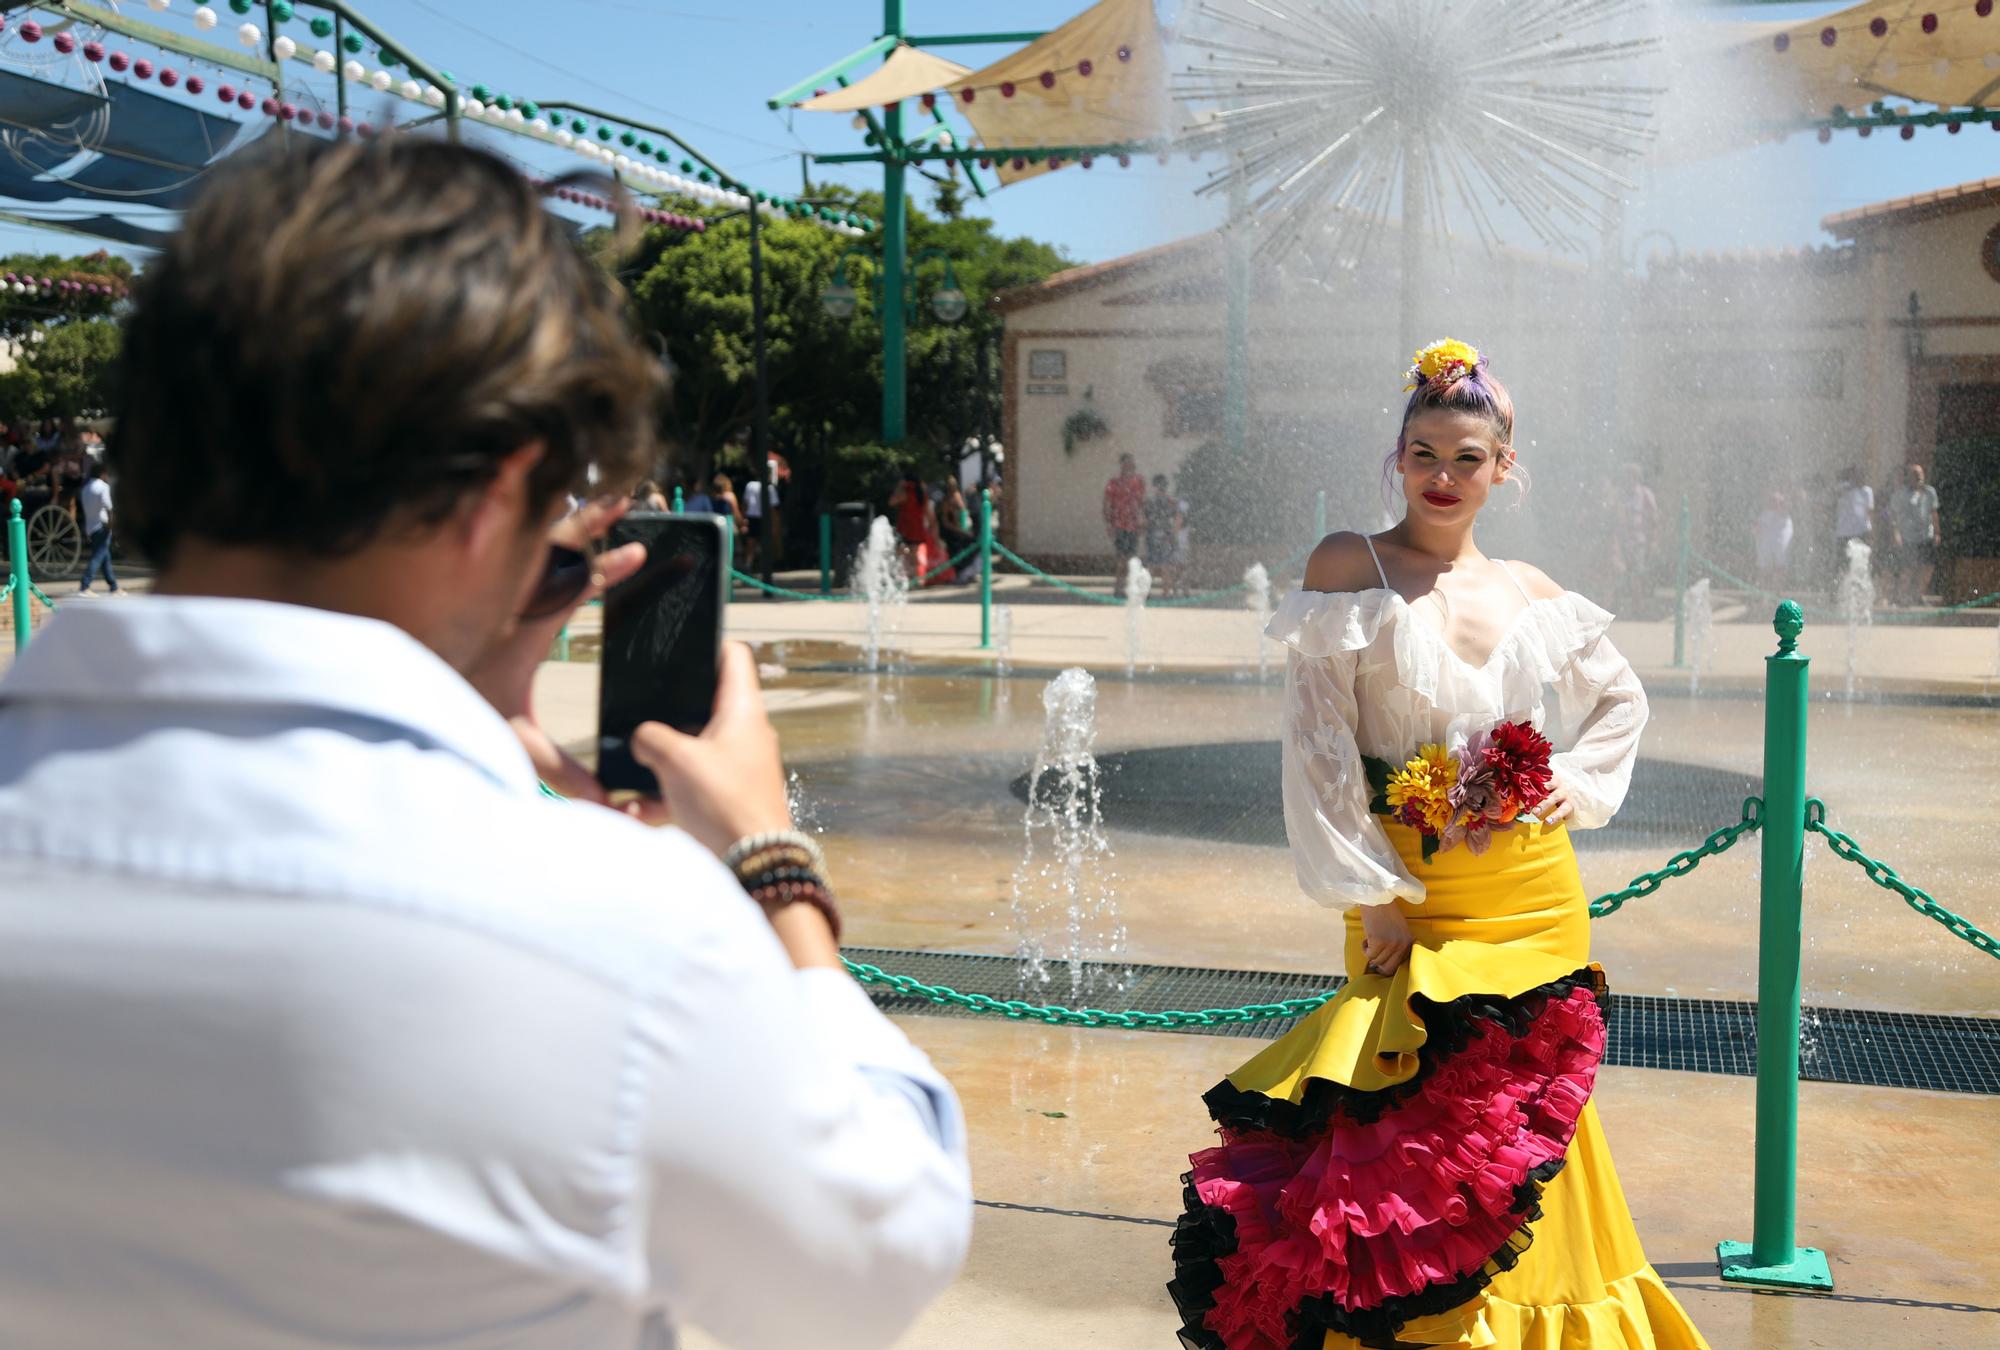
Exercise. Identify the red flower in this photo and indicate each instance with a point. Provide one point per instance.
(1519, 757)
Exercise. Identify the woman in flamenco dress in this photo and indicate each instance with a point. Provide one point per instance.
(1418, 1163)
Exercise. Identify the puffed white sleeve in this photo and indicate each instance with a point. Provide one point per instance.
(1339, 849)
(1600, 711)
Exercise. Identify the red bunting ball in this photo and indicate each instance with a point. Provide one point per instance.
(325, 120)
(1951, 127)
(1085, 161)
(1782, 42)
(966, 94)
(1828, 36)
(287, 111)
(1020, 164)
(269, 106)
(1909, 133)
(1825, 135)
(142, 70)
(246, 100)
(345, 126)
(1124, 161)
(1124, 53)
(1048, 78)
(1879, 26)
(1006, 89)
(169, 77)
(195, 84)
(224, 93)
(930, 102)
(31, 31)
(1084, 68)
(120, 61)
(985, 163)
(366, 130)
(1866, 132)
(1930, 23)
(1984, 9)
(64, 43)
(93, 51)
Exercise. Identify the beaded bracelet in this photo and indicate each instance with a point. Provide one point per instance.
(782, 855)
(751, 844)
(778, 894)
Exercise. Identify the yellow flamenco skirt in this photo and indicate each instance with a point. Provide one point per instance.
(1418, 1162)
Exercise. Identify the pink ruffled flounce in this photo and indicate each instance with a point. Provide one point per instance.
(1423, 1197)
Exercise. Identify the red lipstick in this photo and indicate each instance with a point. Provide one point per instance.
(1440, 499)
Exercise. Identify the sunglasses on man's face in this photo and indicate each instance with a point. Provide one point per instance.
(565, 576)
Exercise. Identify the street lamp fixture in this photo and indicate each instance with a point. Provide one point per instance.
(949, 304)
(838, 299)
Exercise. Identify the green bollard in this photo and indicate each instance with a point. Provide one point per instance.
(985, 568)
(1772, 1256)
(680, 500)
(1681, 588)
(825, 554)
(17, 581)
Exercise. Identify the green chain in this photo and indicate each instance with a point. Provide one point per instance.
(1885, 876)
(813, 595)
(1682, 863)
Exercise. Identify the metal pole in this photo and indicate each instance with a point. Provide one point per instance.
(1319, 518)
(1236, 387)
(339, 71)
(17, 570)
(895, 228)
(1772, 1256)
(985, 567)
(278, 67)
(825, 554)
(760, 422)
(1681, 588)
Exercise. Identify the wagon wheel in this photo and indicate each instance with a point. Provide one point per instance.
(55, 543)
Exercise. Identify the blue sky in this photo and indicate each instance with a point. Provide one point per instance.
(705, 68)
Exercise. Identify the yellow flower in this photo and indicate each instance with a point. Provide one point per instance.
(1440, 358)
(1426, 780)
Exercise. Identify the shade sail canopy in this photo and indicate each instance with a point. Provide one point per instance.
(1899, 50)
(906, 74)
(161, 131)
(1100, 79)
(29, 104)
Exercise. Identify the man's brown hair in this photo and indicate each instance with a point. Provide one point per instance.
(347, 337)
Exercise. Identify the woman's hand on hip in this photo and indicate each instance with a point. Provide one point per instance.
(1385, 937)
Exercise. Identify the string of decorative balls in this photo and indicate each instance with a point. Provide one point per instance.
(578, 197)
(1083, 69)
(15, 283)
(1877, 27)
(482, 104)
(1879, 115)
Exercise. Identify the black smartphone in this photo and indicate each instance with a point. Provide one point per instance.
(662, 637)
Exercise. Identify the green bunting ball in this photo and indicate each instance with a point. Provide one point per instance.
(645, 147)
(578, 125)
(628, 139)
(240, 6)
(281, 11)
(504, 102)
(687, 166)
(531, 110)
(604, 133)
(353, 43)
(322, 27)
(483, 93)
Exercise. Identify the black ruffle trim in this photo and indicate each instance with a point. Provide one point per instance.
(1449, 1028)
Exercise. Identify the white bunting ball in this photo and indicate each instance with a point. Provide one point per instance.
(157, 5)
(540, 126)
(204, 18)
(284, 48)
(471, 107)
(621, 161)
(564, 139)
(411, 90)
(434, 96)
(249, 35)
(325, 62)
(355, 72)
(380, 81)
(496, 116)
(516, 118)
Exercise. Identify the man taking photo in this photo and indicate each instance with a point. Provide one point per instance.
(322, 1025)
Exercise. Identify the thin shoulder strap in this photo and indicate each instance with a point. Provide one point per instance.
(1517, 582)
(1378, 561)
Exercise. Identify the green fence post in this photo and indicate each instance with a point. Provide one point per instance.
(1772, 1257)
(825, 554)
(680, 500)
(1681, 587)
(1319, 518)
(17, 571)
(985, 568)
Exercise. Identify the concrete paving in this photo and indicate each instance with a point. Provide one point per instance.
(1079, 1139)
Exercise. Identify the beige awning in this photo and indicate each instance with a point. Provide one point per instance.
(1880, 50)
(1099, 79)
(906, 74)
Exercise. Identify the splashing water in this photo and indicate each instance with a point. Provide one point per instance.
(879, 579)
(1257, 589)
(1003, 640)
(1138, 585)
(804, 810)
(1700, 611)
(1065, 873)
(1856, 602)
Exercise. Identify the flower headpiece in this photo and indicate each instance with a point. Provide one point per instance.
(1447, 360)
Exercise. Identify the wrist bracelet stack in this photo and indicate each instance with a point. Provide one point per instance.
(780, 868)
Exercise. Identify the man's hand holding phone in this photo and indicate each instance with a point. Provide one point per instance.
(728, 782)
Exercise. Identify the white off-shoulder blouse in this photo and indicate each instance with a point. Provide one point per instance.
(1368, 676)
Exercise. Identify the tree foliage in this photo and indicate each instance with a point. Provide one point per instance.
(825, 374)
(64, 349)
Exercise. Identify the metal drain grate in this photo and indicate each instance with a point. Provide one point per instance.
(1840, 1045)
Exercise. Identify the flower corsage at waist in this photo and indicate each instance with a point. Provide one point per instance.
(1500, 775)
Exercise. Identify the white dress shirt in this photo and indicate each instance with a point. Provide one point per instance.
(320, 1027)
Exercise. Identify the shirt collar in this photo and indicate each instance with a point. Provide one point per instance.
(201, 650)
